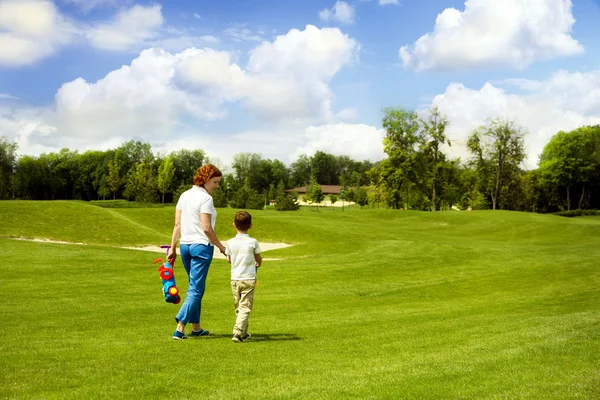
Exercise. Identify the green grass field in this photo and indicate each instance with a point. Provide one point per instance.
(367, 304)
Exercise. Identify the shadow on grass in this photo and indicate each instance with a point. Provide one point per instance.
(257, 337)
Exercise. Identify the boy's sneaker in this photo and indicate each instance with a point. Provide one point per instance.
(237, 338)
(201, 332)
(246, 337)
(179, 335)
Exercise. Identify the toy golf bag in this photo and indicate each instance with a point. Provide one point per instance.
(167, 275)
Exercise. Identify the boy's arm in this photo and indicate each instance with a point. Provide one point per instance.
(228, 253)
(257, 257)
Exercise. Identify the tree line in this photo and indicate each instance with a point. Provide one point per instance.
(134, 172)
(416, 174)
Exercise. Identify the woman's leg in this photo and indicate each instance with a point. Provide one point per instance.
(186, 260)
(200, 258)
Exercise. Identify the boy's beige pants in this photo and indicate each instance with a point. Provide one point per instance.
(243, 297)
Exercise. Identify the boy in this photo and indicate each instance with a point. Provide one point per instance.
(243, 253)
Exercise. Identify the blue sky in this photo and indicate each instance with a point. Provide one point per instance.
(282, 78)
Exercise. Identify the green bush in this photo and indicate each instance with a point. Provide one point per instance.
(220, 198)
(349, 195)
(577, 213)
(286, 202)
(475, 199)
(247, 198)
(361, 196)
(124, 204)
(182, 188)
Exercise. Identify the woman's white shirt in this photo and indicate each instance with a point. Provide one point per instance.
(192, 203)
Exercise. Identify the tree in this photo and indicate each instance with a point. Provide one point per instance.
(350, 195)
(398, 171)
(141, 183)
(571, 160)
(316, 194)
(244, 164)
(286, 202)
(57, 168)
(246, 197)
(103, 190)
(323, 168)
(186, 163)
(132, 153)
(280, 173)
(450, 175)
(114, 178)
(220, 197)
(333, 199)
(30, 177)
(434, 136)
(377, 190)
(300, 171)
(497, 150)
(88, 171)
(8, 158)
(166, 173)
(136, 152)
(361, 196)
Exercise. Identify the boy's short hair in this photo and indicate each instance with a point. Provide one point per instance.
(242, 220)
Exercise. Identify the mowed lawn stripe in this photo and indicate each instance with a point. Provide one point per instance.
(367, 304)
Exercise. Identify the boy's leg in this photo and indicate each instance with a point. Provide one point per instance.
(246, 302)
(236, 298)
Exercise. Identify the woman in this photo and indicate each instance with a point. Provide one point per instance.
(195, 218)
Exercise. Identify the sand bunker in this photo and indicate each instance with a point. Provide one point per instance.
(264, 246)
(217, 254)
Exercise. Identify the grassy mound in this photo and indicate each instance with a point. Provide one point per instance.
(367, 304)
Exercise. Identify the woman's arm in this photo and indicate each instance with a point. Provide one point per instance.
(209, 232)
(175, 237)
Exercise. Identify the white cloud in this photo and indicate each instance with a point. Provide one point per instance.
(285, 79)
(347, 114)
(128, 28)
(286, 142)
(29, 129)
(163, 95)
(5, 96)
(142, 98)
(183, 42)
(31, 30)
(359, 141)
(340, 12)
(290, 75)
(384, 2)
(88, 5)
(563, 102)
(212, 74)
(511, 33)
(243, 35)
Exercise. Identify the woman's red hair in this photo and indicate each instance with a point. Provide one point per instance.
(205, 173)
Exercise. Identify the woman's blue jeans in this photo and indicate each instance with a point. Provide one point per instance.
(196, 259)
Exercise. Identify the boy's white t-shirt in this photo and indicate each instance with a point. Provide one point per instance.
(241, 250)
(192, 203)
